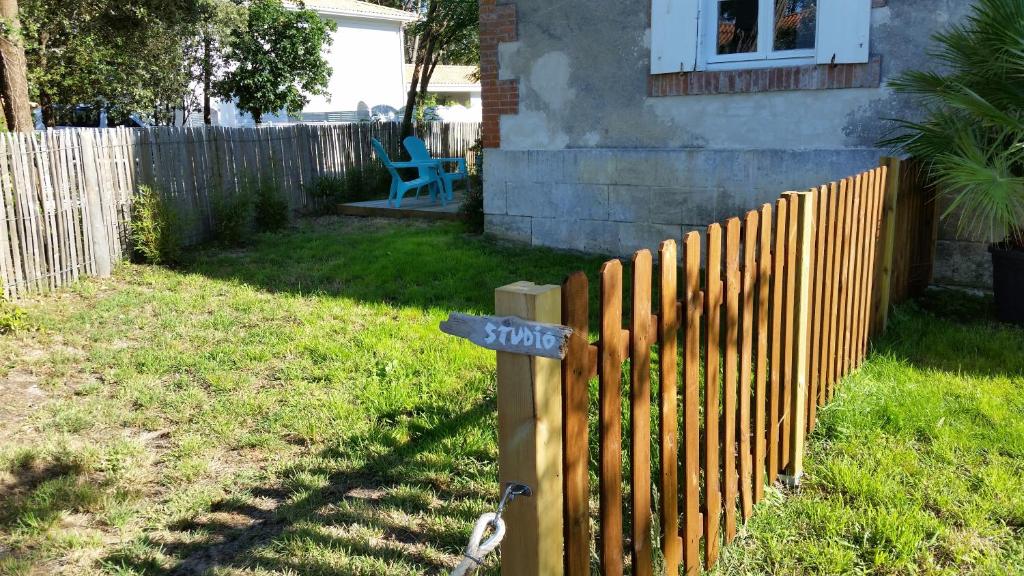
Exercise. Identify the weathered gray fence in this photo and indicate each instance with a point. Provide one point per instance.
(67, 193)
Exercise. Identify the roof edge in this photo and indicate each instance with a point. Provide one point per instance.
(392, 17)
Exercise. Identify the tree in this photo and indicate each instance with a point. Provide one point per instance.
(275, 61)
(13, 70)
(125, 56)
(217, 20)
(449, 31)
(972, 134)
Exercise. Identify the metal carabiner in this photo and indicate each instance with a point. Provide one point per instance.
(511, 491)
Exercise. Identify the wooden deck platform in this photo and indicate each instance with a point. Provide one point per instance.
(422, 207)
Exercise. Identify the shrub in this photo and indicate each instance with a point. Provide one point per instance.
(367, 183)
(472, 209)
(155, 230)
(326, 191)
(12, 318)
(233, 216)
(972, 130)
(271, 208)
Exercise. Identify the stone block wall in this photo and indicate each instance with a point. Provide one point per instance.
(615, 201)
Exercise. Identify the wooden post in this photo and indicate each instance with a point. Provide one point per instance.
(530, 438)
(94, 205)
(886, 243)
(803, 214)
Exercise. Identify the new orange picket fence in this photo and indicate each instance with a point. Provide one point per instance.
(753, 326)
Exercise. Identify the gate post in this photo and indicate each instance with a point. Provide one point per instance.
(530, 438)
(802, 206)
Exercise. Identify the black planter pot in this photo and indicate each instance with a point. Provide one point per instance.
(1008, 282)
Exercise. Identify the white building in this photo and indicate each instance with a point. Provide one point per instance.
(367, 56)
(457, 89)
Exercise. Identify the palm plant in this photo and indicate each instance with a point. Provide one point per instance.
(972, 135)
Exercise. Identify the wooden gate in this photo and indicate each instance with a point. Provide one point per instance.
(711, 365)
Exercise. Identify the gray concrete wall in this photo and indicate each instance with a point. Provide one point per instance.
(617, 201)
(591, 162)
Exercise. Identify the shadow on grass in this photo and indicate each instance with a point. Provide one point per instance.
(380, 261)
(36, 494)
(355, 512)
(953, 331)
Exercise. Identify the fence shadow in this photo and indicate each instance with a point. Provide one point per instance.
(354, 500)
(428, 266)
(952, 331)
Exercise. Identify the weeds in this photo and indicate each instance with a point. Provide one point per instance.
(12, 318)
(233, 216)
(357, 184)
(271, 208)
(155, 232)
(472, 209)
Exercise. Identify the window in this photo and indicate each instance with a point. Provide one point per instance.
(756, 32)
(689, 35)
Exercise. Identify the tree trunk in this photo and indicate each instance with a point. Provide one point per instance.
(207, 80)
(49, 114)
(420, 58)
(410, 99)
(17, 108)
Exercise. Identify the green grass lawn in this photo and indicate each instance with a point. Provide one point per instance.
(291, 408)
(917, 467)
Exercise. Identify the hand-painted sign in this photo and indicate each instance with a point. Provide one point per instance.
(509, 334)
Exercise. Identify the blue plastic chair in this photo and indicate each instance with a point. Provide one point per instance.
(427, 176)
(418, 152)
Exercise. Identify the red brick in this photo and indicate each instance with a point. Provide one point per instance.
(497, 24)
(810, 77)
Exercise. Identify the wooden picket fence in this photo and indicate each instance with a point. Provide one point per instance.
(759, 320)
(67, 194)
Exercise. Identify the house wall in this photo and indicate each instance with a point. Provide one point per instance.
(367, 60)
(368, 64)
(583, 157)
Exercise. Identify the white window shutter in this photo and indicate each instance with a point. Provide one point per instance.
(674, 35)
(843, 30)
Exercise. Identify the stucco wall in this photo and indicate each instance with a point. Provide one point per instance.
(366, 59)
(584, 110)
(368, 63)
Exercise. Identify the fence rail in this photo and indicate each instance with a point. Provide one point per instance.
(67, 194)
(751, 328)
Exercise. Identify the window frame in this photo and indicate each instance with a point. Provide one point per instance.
(707, 42)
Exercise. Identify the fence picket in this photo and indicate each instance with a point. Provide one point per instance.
(749, 270)
(712, 383)
(764, 280)
(730, 380)
(776, 344)
(668, 331)
(846, 286)
(575, 429)
(694, 304)
(8, 264)
(611, 354)
(830, 195)
(839, 192)
(860, 186)
(640, 412)
(789, 329)
(820, 200)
